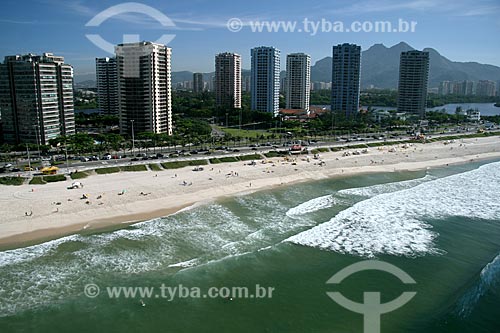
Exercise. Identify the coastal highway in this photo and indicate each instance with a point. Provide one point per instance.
(232, 151)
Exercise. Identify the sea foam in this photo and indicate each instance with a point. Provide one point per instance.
(489, 277)
(395, 223)
(342, 196)
(371, 191)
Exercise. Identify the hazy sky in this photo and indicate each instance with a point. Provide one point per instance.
(461, 30)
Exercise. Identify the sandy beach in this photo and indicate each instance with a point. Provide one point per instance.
(32, 213)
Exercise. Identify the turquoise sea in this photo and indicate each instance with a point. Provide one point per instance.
(440, 226)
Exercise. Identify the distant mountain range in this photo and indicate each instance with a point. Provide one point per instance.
(380, 68)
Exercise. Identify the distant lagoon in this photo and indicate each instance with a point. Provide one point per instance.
(486, 109)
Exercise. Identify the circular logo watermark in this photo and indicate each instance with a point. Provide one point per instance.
(124, 8)
(372, 307)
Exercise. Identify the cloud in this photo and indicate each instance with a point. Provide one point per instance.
(17, 21)
(454, 8)
(480, 11)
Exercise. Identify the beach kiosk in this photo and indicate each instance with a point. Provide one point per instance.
(50, 170)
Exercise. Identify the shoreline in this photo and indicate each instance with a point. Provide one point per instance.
(113, 211)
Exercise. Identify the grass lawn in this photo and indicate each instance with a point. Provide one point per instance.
(155, 167)
(79, 175)
(16, 181)
(37, 180)
(54, 178)
(105, 171)
(134, 168)
(244, 133)
(250, 157)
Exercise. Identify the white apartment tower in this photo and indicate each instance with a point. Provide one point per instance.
(36, 98)
(265, 81)
(228, 80)
(298, 81)
(144, 87)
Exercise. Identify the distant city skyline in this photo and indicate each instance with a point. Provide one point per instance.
(201, 25)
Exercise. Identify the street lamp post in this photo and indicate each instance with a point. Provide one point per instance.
(66, 154)
(133, 138)
(38, 141)
(29, 158)
(65, 149)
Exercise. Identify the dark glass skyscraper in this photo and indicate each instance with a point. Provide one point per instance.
(346, 74)
(413, 80)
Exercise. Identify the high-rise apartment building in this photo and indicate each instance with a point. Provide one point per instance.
(413, 81)
(144, 87)
(107, 85)
(265, 79)
(486, 88)
(463, 88)
(346, 75)
(445, 88)
(36, 98)
(228, 80)
(246, 83)
(298, 81)
(198, 84)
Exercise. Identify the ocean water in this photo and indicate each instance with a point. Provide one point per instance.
(441, 226)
